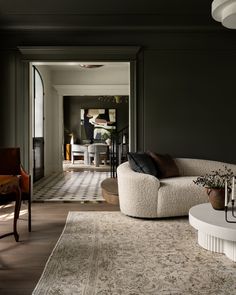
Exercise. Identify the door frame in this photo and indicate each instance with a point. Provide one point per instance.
(34, 70)
(30, 54)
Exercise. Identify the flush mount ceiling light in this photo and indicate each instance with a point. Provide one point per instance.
(224, 11)
(89, 66)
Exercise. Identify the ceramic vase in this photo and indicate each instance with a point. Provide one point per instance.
(216, 198)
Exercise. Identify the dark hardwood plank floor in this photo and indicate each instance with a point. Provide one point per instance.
(22, 263)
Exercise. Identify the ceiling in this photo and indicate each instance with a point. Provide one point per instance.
(105, 14)
(75, 66)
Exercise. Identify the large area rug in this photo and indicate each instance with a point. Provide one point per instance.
(70, 186)
(108, 253)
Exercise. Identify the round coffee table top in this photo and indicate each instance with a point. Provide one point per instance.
(208, 220)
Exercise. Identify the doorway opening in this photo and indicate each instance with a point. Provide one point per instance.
(73, 89)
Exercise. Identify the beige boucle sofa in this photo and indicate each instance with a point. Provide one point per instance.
(143, 195)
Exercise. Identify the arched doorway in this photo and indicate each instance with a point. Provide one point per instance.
(38, 125)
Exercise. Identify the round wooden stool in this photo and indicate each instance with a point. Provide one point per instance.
(110, 190)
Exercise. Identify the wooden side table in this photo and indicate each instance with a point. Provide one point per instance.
(110, 190)
(10, 185)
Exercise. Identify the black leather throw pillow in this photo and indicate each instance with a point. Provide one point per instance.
(142, 163)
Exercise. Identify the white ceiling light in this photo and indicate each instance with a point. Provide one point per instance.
(225, 11)
(90, 66)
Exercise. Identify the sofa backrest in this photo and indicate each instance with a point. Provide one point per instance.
(197, 167)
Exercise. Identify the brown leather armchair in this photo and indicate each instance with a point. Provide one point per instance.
(10, 165)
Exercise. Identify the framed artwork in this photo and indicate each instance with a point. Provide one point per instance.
(97, 124)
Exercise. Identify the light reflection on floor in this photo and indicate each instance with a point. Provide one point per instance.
(7, 212)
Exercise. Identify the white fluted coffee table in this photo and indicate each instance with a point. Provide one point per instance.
(214, 233)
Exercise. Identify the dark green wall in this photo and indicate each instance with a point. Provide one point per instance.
(189, 105)
(13, 106)
(73, 105)
(185, 86)
(8, 101)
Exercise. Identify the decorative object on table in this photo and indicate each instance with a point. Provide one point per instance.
(232, 183)
(216, 198)
(215, 183)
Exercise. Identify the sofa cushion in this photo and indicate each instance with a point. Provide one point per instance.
(165, 165)
(178, 194)
(142, 163)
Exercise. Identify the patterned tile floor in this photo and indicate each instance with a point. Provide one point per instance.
(80, 166)
(69, 186)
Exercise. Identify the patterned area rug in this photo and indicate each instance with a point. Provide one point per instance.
(70, 186)
(109, 253)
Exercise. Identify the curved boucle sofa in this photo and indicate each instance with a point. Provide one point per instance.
(143, 195)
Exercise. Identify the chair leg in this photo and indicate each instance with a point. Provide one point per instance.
(86, 158)
(16, 214)
(29, 215)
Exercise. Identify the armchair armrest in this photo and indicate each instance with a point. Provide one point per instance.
(138, 192)
(25, 181)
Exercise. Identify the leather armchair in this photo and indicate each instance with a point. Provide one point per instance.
(10, 165)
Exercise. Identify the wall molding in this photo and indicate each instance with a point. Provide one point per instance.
(81, 53)
(139, 21)
(92, 89)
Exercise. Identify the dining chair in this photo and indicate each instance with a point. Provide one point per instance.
(79, 150)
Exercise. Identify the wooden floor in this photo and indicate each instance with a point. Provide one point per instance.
(22, 263)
